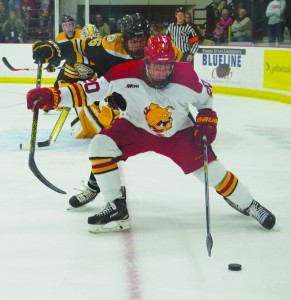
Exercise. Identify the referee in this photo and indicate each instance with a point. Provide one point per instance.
(183, 35)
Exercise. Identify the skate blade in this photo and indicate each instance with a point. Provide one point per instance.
(80, 208)
(110, 227)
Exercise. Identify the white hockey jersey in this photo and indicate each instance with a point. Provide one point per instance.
(161, 112)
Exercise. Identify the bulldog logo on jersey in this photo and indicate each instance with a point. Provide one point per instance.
(158, 118)
(84, 71)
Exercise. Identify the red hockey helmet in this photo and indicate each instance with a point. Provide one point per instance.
(159, 60)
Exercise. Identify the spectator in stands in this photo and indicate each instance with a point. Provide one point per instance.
(28, 14)
(112, 25)
(28, 9)
(118, 25)
(13, 29)
(242, 27)
(183, 35)
(199, 31)
(103, 28)
(188, 19)
(276, 16)
(45, 18)
(218, 34)
(225, 21)
(14, 5)
(158, 28)
(3, 18)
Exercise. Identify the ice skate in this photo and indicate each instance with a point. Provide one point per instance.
(86, 196)
(114, 217)
(261, 214)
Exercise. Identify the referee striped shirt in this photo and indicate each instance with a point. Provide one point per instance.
(184, 37)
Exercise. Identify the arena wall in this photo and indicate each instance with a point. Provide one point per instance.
(257, 72)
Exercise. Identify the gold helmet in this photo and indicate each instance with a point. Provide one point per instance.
(90, 31)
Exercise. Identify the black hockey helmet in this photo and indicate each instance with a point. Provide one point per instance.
(68, 19)
(134, 26)
(180, 9)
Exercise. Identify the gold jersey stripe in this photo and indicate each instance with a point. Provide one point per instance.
(67, 66)
(78, 95)
(105, 169)
(228, 185)
(79, 57)
(98, 161)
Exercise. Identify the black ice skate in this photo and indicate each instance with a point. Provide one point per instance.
(261, 214)
(114, 217)
(236, 207)
(83, 198)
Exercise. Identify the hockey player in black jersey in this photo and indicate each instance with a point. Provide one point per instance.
(91, 58)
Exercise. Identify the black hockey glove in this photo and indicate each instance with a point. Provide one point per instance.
(50, 68)
(46, 52)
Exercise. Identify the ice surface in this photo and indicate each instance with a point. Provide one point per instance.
(47, 252)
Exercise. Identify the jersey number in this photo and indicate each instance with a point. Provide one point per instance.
(208, 87)
(91, 86)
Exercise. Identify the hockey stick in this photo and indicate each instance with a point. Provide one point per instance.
(54, 134)
(31, 161)
(209, 240)
(7, 64)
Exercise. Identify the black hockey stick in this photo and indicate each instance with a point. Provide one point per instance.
(7, 64)
(31, 161)
(54, 134)
(209, 240)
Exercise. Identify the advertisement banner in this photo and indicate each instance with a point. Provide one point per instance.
(229, 66)
(277, 70)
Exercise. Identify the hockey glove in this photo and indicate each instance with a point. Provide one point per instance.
(46, 52)
(43, 98)
(50, 68)
(206, 123)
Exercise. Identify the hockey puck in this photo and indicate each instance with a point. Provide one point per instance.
(234, 267)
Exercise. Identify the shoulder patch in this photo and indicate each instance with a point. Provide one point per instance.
(110, 38)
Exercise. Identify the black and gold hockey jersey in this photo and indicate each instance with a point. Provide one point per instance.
(94, 57)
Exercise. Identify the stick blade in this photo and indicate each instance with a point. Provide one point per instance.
(39, 176)
(209, 243)
(6, 63)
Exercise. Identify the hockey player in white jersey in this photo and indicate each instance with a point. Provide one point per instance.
(159, 92)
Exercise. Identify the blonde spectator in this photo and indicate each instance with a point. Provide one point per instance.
(225, 21)
(188, 19)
